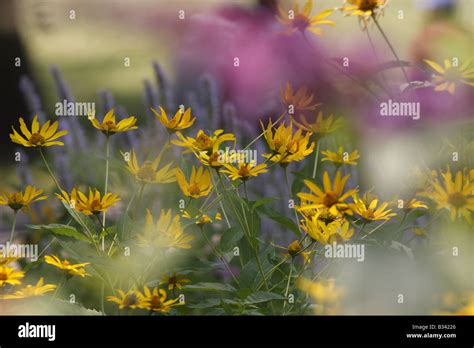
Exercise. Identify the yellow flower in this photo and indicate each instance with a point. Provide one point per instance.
(301, 20)
(166, 232)
(367, 209)
(131, 299)
(413, 204)
(65, 265)
(9, 276)
(341, 157)
(148, 172)
(320, 291)
(199, 184)
(202, 219)
(448, 77)
(333, 197)
(285, 145)
(203, 142)
(31, 291)
(321, 126)
(89, 205)
(301, 100)
(5, 258)
(454, 195)
(334, 232)
(244, 171)
(22, 200)
(110, 127)
(44, 136)
(364, 9)
(156, 301)
(294, 249)
(181, 120)
(174, 281)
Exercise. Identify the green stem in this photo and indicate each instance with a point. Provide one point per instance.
(107, 154)
(288, 285)
(50, 171)
(391, 48)
(245, 191)
(220, 202)
(219, 255)
(316, 159)
(13, 226)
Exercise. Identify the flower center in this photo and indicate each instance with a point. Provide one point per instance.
(130, 300)
(457, 199)
(367, 5)
(146, 172)
(194, 189)
(3, 276)
(37, 139)
(96, 206)
(203, 142)
(301, 22)
(330, 199)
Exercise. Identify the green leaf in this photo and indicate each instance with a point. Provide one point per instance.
(62, 230)
(81, 219)
(207, 303)
(280, 219)
(262, 296)
(262, 201)
(230, 238)
(210, 287)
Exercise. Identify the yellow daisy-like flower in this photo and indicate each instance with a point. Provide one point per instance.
(9, 276)
(321, 126)
(166, 232)
(341, 157)
(364, 9)
(46, 135)
(333, 197)
(156, 301)
(294, 250)
(300, 100)
(202, 219)
(110, 127)
(5, 259)
(320, 291)
(131, 299)
(93, 204)
(244, 171)
(181, 120)
(368, 210)
(448, 77)
(455, 195)
(285, 145)
(31, 291)
(174, 281)
(199, 184)
(71, 269)
(297, 20)
(22, 200)
(148, 172)
(334, 232)
(203, 142)
(412, 204)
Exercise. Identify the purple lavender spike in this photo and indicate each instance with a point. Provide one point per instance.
(210, 97)
(132, 138)
(22, 169)
(150, 98)
(165, 95)
(78, 137)
(33, 101)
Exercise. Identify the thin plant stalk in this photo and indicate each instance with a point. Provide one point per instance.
(107, 153)
(12, 233)
(288, 285)
(316, 158)
(50, 171)
(219, 255)
(391, 48)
